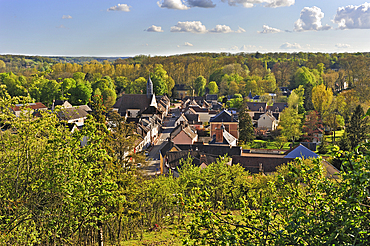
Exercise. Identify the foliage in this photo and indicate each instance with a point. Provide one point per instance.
(246, 130)
(297, 206)
(357, 130)
(213, 88)
(200, 85)
(290, 124)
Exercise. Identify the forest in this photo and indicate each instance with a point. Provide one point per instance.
(54, 191)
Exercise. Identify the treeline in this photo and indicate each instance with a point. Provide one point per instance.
(222, 73)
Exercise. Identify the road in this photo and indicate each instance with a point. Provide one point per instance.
(153, 158)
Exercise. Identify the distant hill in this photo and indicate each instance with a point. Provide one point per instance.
(83, 59)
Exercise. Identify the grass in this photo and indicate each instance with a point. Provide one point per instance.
(169, 235)
(338, 136)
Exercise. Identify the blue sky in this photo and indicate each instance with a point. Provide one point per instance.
(167, 27)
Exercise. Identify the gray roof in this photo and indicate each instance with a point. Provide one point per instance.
(279, 107)
(256, 106)
(132, 101)
(72, 113)
(223, 116)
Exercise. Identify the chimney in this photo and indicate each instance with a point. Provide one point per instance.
(219, 135)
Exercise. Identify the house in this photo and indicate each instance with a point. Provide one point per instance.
(267, 163)
(278, 107)
(224, 137)
(148, 129)
(72, 115)
(180, 91)
(257, 106)
(183, 134)
(212, 98)
(228, 120)
(202, 155)
(257, 163)
(134, 105)
(267, 121)
(32, 108)
(61, 103)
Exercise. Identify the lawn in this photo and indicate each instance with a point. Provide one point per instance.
(338, 136)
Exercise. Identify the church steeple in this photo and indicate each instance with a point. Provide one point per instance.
(149, 88)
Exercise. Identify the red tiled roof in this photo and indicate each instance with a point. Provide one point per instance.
(34, 106)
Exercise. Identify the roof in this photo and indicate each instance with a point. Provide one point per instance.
(167, 146)
(301, 152)
(227, 139)
(252, 164)
(132, 101)
(279, 107)
(256, 106)
(211, 97)
(71, 113)
(192, 117)
(269, 115)
(216, 150)
(85, 107)
(34, 106)
(223, 116)
(186, 129)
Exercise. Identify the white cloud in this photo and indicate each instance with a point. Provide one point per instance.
(287, 46)
(234, 48)
(201, 3)
(154, 28)
(248, 47)
(310, 19)
(266, 3)
(188, 44)
(221, 29)
(66, 17)
(120, 7)
(61, 26)
(172, 4)
(353, 17)
(189, 26)
(342, 46)
(240, 30)
(267, 29)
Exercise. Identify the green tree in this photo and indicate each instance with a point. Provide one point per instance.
(290, 124)
(109, 97)
(213, 88)
(246, 130)
(162, 83)
(81, 93)
(357, 129)
(200, 85)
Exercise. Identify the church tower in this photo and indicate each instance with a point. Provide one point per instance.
(149, 88)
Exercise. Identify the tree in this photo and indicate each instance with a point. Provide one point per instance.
(322, 98)
(357, 129)
(290, 124)
(162, 83)
(200, 85)
(246, 130)
(81, 93)
(213, 88)
(291, 208)
(109, 97)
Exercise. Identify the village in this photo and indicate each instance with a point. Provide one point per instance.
(199, 127)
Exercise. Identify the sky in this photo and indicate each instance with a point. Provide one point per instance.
(122, 28)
